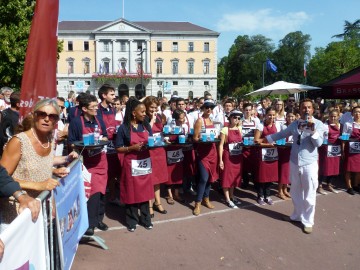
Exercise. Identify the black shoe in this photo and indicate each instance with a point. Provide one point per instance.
(357, 189)
(156, 208)
(350, 191)
(148, 227)
(131, 229)
(89, 231)
(102, 226)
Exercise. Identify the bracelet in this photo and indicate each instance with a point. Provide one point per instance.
(67, 159)
(127, 149)
(19, 193)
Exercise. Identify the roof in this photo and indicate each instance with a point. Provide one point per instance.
(151, 26)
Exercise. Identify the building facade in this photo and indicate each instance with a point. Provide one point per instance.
(137, 58)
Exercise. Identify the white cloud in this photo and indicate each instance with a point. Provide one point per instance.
(265, 21)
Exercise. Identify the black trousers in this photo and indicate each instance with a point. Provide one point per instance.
(132, 215)
(263, 189)
(96, 209)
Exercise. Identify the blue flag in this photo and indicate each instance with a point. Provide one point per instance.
(270, 66)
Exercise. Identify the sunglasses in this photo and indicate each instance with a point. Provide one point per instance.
(62, 107)
(236, 117)
(52, 116)
(208, 107)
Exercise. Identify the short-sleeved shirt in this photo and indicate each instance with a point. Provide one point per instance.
(123, 140)
(75, 128)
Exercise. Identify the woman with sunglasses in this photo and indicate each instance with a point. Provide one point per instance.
(28, 156)
(230, 157)
(266, 158)
(207, 157)
(136, 186)
(158, 155)
(95, 160)
(329, 155)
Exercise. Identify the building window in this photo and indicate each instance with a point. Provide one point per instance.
(70, 67)
(70, 46)
(122, 67)
(106, 67)
(87, 83)
(191, 67)
(191, 83)
(191, 94)
(159, 67)
(159, 94)
(175, 47)
(191, 47)
(206, 83)
(106, 46)
(86, 46)
(159, 83)
(175, 67)
(206, 67)
(86, 67)
(175, 93)
(206, 47)
(175, 83)
(159, 46)
(123, 46)
(139, 46)
(71, 82)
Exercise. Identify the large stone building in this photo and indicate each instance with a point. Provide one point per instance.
(167, 58)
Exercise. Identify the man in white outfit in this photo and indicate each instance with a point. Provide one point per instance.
(307, 134)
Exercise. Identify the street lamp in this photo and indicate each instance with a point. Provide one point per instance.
(142, 72)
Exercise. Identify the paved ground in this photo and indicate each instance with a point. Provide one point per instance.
(251, 237)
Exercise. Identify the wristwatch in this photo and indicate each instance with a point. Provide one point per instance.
(19, 193)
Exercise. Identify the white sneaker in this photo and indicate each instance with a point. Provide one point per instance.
(236, 201)
(231, 204)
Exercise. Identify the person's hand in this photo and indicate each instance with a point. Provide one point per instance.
(105, 139)
(73, 155)
(61, 172)
(61, 135)
(2, 247)
(138, 146)
(221, 165)
(28, 202)
(49, 184)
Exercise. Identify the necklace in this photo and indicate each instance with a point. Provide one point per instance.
(41, 144)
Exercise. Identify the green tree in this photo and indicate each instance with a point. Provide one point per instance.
(351, 30)
(293, 50)
(244, 62)
(15, 22)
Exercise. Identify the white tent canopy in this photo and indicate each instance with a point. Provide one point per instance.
(284, 88)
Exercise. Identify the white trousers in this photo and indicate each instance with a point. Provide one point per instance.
(304, 182)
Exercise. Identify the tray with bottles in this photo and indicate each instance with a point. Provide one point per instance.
(80, 144)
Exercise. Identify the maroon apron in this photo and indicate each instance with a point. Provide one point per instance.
(233, 159)
(158, 157)
(114, 168)
(267, 171)
(96, 163)
(328, 164)
(284, 164)
(174, 158)
(352, 161)
(248, 152)
(136, 182)
(207, 155)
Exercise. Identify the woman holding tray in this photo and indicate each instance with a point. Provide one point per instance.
(158, 155)
(207, 157)
(352, 150)
(266, 158)
(329, 155)
(136, 185)
(230, 157)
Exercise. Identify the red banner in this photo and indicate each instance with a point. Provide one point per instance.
(39, 78)
(346, 91)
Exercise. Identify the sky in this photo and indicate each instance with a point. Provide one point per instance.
(321, 19)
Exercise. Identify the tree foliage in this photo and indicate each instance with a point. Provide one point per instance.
(15, 22)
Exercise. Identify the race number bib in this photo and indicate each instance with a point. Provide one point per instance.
(141, 167)
(333, 150)
(235, 149)
(354, 147)
(269, 154)
(174, 156)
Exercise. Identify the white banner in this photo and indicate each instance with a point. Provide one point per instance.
(24, 243)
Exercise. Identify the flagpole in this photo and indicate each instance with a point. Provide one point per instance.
(123, 9)
(263, 73)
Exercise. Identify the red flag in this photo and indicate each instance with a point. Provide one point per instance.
(305, 70)
(39, 78)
